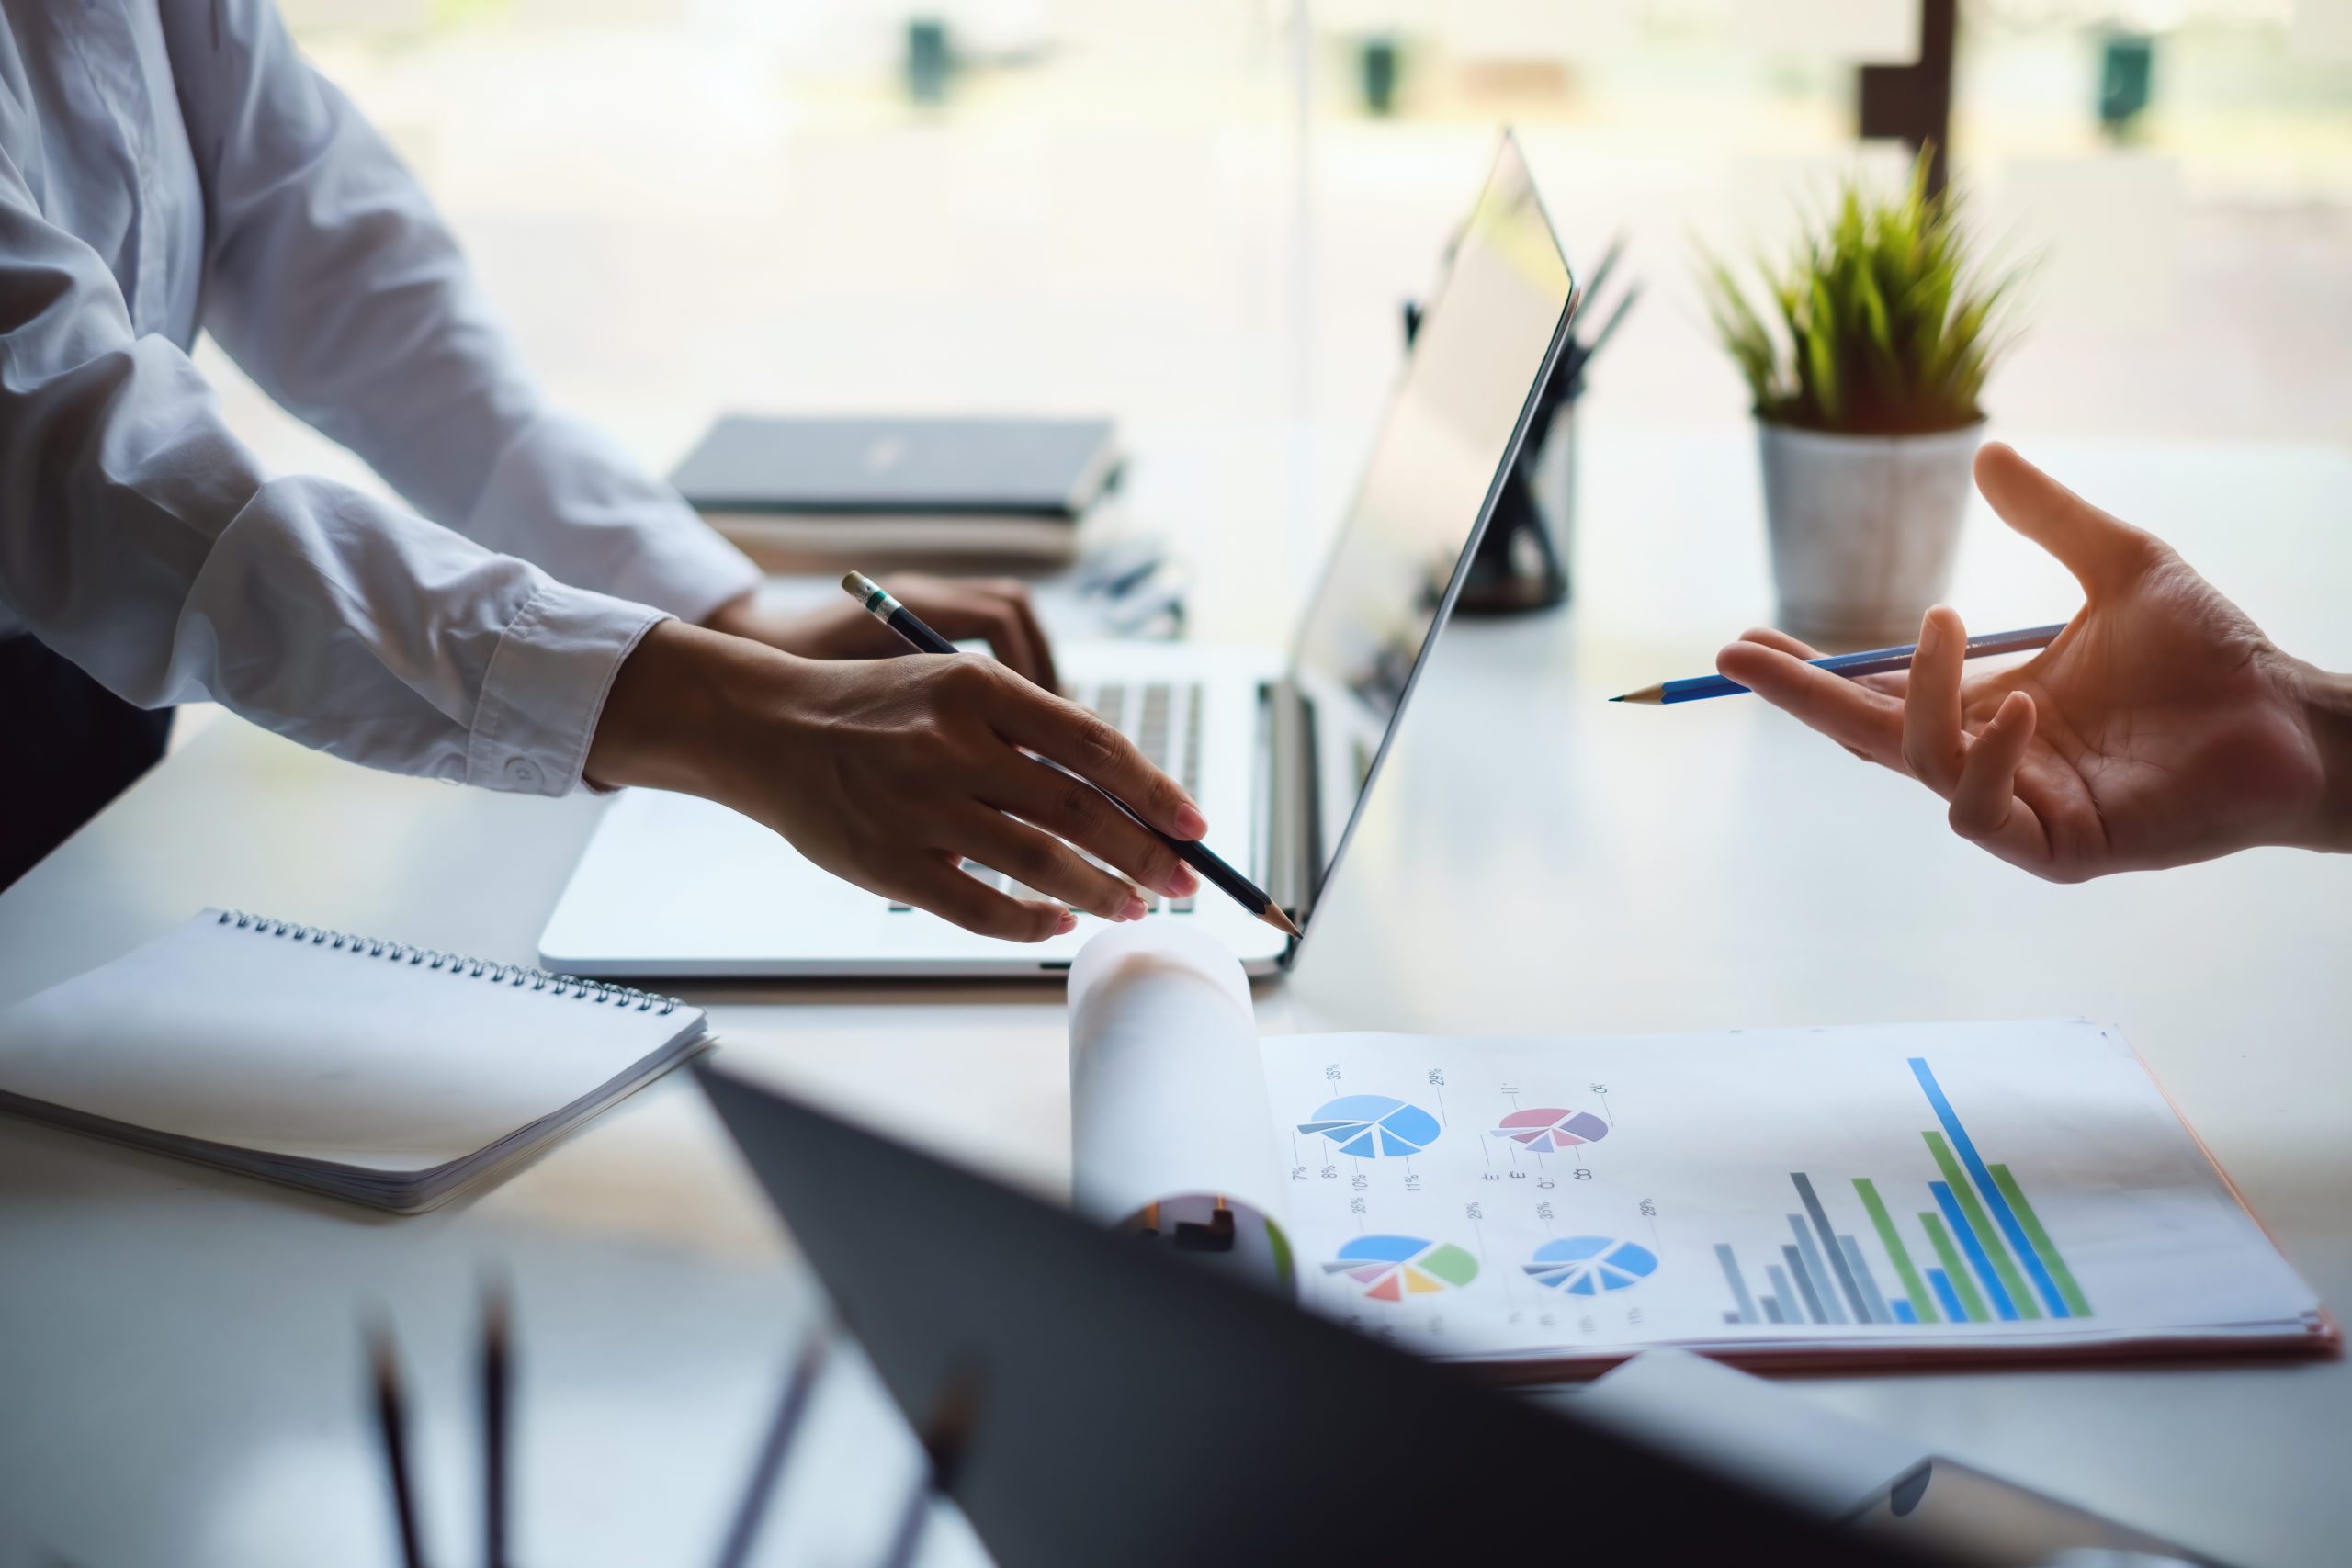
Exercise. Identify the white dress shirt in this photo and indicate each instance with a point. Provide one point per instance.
(172, 165)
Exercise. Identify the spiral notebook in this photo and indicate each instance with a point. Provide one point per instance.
(369, 1070)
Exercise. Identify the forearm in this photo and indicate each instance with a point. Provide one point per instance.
(141, 541)
(677, 698)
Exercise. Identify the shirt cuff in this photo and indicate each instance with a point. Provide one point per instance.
(566, 496)
(546, 686)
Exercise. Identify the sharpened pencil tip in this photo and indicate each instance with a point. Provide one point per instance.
(1280, 921)
(1652, 695)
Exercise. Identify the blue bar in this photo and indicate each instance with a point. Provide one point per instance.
(1738, 1286)
(1823, 1280)
(1966, 1234)
(1942, 1287)
(2003, 1215)
(1862, 1270)
(1780, 1307)
(1839, 1263)
(1902, 1313)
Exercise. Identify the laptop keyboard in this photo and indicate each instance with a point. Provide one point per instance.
(1164, 721)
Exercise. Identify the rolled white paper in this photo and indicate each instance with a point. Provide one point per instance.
(1168, 1092)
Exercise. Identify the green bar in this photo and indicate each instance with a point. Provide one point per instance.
(1966, 1191)
(2068, 1292)
(1962, 1285)
(1923, 1302)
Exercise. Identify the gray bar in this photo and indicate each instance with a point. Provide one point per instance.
(1829, 1244)
(1782, 1302)
(1730, 1316)
(1823, 1280)
(1738, 1286)
(1879, 1311)
(1804, 1285)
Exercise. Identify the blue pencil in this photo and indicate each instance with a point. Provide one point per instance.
(1875, 661)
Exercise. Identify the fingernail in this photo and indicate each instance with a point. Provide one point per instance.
(1134, 909)
(1182, 883)
(1067, 924)
(1189, 823)
(1930, 633)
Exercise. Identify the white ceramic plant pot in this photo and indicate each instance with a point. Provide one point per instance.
(1863, 528)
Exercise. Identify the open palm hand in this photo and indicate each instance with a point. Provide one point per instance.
(2161, 728)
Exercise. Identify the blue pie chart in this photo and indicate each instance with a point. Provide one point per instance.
(1587, 1265)
(1372, 1126)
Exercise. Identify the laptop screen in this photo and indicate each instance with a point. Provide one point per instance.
(1486, 340)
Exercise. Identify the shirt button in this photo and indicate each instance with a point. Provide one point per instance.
(523, 770)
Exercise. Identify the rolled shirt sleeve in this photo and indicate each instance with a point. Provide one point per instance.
(546, 687)
(141, 540)
(472, 634)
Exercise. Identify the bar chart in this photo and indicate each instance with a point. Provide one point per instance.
(1986, 1256)
(1873, 1193)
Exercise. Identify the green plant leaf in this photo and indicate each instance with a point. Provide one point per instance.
(1879, 319)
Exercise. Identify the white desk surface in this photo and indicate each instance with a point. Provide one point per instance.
(179, 1377)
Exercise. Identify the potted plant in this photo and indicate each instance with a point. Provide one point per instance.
(1866, 367)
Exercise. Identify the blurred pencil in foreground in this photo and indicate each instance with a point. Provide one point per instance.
(497, 1407)
(799, 1384)
(391, 1420)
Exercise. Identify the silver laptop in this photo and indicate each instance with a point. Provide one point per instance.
(1281, 755)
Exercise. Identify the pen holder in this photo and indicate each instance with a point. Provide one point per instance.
(1523, 563)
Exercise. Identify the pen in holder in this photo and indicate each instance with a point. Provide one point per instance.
(1523, 563)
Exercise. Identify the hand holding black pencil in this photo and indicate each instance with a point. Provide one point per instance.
(1199, 856)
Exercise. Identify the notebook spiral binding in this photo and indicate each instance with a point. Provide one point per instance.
(517, 974)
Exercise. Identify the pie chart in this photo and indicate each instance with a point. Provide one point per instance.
(1371, 1125)
(1551, 1129)
(1587, 1265)
(1392, 1267)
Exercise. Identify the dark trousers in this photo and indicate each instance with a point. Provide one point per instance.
(67, 746)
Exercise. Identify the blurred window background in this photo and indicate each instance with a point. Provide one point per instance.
(1180, 210)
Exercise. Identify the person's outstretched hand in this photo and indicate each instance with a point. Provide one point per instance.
(893, 772)
(2161, 728)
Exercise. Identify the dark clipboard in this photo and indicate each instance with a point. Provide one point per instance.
(1125, 1407)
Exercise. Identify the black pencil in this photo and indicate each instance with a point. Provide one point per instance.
(391, 1418)
(799, 1385)
(944, 1439)
(1192, 852)
(497, 1379)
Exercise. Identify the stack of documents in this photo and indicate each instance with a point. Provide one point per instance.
(364, 1069)
(1910, 1192)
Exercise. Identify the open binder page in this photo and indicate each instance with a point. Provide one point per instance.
(1913, 1192)
(1168, 1113)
